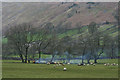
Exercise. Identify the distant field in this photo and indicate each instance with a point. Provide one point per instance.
(21, 70)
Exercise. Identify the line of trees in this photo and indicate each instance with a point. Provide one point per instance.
(24, 39)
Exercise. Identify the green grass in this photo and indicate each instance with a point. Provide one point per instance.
(21, 70)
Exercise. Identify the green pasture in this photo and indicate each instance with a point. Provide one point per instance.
(15, 69)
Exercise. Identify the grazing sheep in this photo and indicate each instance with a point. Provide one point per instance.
(54, 62)
(79, 64)
(113, 64)
(64, 69)
(68, 63)
(105, 64)
(91, 63)
(48, 63)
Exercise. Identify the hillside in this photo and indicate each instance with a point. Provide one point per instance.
(58, 13)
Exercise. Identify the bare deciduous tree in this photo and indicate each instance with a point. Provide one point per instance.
(21, 37)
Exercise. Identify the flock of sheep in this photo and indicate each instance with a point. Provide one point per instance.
(64, 69)
(108, 64)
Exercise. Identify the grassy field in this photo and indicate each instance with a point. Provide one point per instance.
(21, 70)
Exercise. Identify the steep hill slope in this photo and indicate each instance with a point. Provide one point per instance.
(58, 13)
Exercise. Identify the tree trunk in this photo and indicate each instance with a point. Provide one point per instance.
(26, 55)
(39, 55)
(88, 61)
(95, 60)
(21, 57)
(82, 60)
(52, 58)
(68, 60)
(112, 56)
(25, 58)
(22, 60)
(83, 54)
(33, 56)
(20, 54)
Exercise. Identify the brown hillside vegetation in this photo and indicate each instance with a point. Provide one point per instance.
(58, 13)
